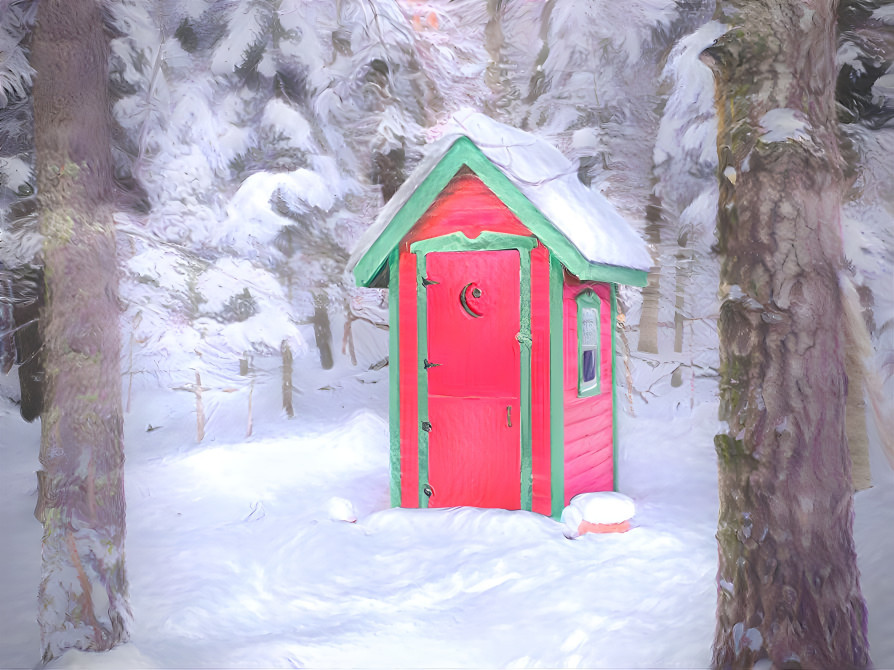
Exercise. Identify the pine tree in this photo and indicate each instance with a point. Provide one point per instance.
(83, 592)
(788, 580)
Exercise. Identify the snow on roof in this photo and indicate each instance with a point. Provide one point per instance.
(544, 176)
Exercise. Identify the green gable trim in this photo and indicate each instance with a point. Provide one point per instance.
(463, 152)
(486, 241)
(394, 377)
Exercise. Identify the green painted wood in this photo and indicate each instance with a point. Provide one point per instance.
(463, 152)
(585, 300)
(614, 323)
(524, 341)
(394, 377)
(422, 385)
(556, 396)
(486, 241)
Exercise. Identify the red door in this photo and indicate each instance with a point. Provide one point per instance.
(473, 373)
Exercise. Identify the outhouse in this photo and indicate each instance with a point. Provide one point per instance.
(502, 271)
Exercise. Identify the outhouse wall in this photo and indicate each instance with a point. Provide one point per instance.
(589, 457)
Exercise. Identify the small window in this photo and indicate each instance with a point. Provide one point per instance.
(588, 358)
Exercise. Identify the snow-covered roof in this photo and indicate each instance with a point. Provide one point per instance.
(598, 235)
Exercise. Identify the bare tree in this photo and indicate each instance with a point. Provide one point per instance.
(83, 591)
(788, 587)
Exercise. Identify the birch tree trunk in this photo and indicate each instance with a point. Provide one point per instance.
(788, 587)
(83, 591)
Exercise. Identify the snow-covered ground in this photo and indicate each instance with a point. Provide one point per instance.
(238, 554)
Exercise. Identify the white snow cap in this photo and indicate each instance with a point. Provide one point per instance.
(543, 175)
(341, 509)
(606, 507)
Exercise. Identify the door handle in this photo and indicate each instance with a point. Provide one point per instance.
(509, 416)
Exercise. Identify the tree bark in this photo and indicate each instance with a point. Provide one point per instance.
(648, 320)
(83, 591)
(788, 587)
(322, 329)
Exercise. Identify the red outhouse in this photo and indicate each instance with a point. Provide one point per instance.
(502, 271)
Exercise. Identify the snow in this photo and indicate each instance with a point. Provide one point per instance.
(604, 506)
(15, 173)
(241, 551)
(544, 176)
(689, 122)
(783, 124)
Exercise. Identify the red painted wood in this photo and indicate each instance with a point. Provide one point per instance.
(409, 380)
(468, 206)
(540, 407)
(474, 454)
(588, 421)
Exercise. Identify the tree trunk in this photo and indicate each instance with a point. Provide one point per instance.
(322, 329)
(287, 379)
(788, 581)
(83, 591)
(648, 321)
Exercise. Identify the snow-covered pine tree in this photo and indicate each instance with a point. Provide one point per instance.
(19, 237)
(866, 115)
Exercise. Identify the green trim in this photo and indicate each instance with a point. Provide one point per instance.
(524, 342)
(556, 391)
(463, 152)
(394, 376)
(614, 294)
(486, 241)
(422, 379)
(589, 300)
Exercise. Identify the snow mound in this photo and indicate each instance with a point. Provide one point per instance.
(341, 509)
(606, 510)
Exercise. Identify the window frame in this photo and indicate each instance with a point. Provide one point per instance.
(588, 300)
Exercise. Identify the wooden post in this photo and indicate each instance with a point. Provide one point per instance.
(200, 409)
(287, 379)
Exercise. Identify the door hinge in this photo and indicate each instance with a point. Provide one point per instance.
(428, 365)
(428, 282)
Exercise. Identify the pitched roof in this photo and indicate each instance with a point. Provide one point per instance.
(535, 181)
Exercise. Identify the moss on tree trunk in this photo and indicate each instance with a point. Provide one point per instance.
(788, 580)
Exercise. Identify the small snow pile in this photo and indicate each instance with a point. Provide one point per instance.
(342, 509)
(602, 512)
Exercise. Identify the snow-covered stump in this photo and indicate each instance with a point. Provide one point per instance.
(601, 512)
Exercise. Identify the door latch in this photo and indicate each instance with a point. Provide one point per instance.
(509, 416)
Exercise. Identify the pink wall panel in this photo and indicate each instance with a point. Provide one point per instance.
(588, 421)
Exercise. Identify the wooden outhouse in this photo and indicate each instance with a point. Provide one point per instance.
(502, 271)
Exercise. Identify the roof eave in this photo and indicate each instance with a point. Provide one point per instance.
(369, 269)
